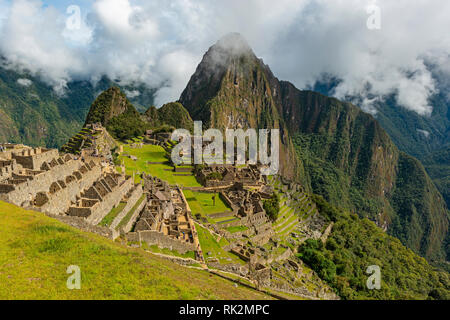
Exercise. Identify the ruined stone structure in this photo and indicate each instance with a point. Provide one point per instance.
(36, 171)
(104, 194)
(227, 175)
(166, 219)
(66, 185)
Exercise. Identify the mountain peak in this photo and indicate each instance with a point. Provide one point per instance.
(233, 43)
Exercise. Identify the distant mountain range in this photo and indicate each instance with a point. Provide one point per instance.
(32, 113)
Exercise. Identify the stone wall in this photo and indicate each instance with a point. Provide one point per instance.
(228, 202)
(80, 223)
(136, 193)
(127, 228)
(60, 201)
(34, 158)
(25, 192)
(112, 199)
(156, 238)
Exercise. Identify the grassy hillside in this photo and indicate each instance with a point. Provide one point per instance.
(161, 167)
(35, 252)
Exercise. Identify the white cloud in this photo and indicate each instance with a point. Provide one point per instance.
(160, 43)
(24, 82)
(424, 132)
(132, 94)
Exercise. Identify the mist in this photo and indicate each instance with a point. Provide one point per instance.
(160, 43)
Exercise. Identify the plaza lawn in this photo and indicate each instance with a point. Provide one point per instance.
(209, 244)
(151, 153)
(36, 251)
(237, 229)
(202, 203)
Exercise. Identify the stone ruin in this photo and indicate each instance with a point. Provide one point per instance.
(166, 219)
(214, 176)
(62, 184)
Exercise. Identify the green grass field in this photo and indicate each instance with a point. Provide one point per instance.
(151, 153)
(237, 229)
(209, 243)
(35, 252)
(202, 203)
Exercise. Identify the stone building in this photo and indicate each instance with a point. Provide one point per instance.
(226, 175)
(166, 219)
(60, 185)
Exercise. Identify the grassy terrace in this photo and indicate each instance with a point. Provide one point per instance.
(35, 252)
(130, 213)
(237, 229)
(106, 222)
(151, 153)
(210, 244)
(156, 249)
(202, 203)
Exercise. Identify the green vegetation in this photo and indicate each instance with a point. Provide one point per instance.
(171, 114)
(113, 110)
(36, 115)
(355, 244)
(156, 249)
(344, 182)
(236, 229)
(437, 165)
(109, 218)
(152, 153)
(210, 245)
(214, 176)
(202, 203)
(272, 206)
(127, 218)
(35, 252)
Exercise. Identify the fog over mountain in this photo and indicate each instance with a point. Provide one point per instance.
(160, 43)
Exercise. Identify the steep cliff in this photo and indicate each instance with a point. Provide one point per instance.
(231, 89)
(353, 163)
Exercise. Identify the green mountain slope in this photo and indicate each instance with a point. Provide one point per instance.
(35, 252)
(354, 245)
(425, 137)
(172, 114)
(115, 112)
(353, 163)
(438, 167)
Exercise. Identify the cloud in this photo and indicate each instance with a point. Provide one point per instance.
(132, 94)
(24, 82)
(424, 132)
(160, 43)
